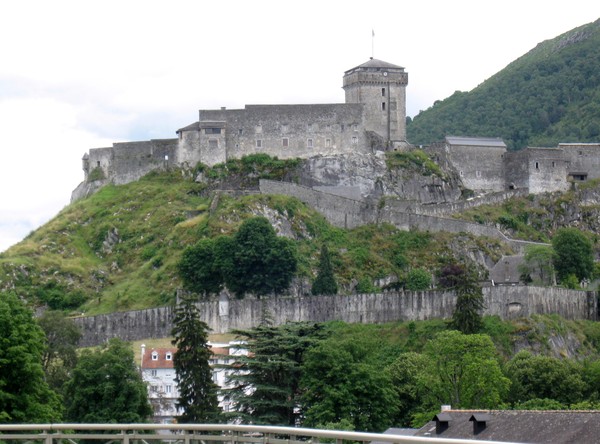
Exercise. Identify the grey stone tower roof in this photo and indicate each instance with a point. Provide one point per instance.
(375, 63)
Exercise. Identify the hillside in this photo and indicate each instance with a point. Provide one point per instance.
(118, 249)
(547, 96)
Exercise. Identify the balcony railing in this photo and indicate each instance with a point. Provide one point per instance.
(200, 434)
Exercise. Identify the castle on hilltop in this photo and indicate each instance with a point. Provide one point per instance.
(372, 119)
(374, 116)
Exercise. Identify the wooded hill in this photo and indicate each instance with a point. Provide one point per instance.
(549, 95)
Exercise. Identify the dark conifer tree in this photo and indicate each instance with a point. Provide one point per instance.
(197, 391)
(325, 282)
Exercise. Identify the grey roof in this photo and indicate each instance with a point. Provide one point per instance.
(506, 270)
(375, 63)
(523, 426)
(191, 127)
(475, 141)
(397, 431)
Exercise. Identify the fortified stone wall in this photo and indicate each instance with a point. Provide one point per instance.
(583, 157)
(223, 315)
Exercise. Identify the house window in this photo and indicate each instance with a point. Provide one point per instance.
(309, 143)
(152, 372)
(154, 356)
(154, 388)
(169, 356)
(354, 140)
(213, 144)
(212, 130)
(382, 106)
(285, 142)
(258, 143)
(168, 388)
(327, 143)
(382, 92)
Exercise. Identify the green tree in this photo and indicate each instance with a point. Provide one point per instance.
(60, 356)
(325, 281)
(341, 382)
(202, 265)
(465, 372)
(538, 264)
(467, 316)
(197, 391)
(539, 377)
(266, 383)
(261, 262)
(25, 397)
(574, 254)
(407, 373)
(418, 280)
(107, 387)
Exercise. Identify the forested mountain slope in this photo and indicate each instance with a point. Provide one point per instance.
(549, 95)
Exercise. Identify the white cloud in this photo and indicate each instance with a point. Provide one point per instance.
(76, 75)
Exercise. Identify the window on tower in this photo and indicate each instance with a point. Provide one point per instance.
(285, 142)
(382, 106)
(382, 92)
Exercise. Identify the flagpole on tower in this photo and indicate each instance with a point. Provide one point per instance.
(372, 43)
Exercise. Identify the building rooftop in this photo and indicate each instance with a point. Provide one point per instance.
(523, 426)
(475, 141)
(374, 64)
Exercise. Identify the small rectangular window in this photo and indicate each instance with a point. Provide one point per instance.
(327, 143)
(354, 140)
(309, 143)
(382, 92)
(553, 164)
(169, 357)
(212, 130)
(285, 142)
(258, 143)
(240, 132)
(168, 389)
(537, 166)
(382, 106)
(153, 373)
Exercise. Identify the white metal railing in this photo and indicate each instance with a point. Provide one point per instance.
(202, 434)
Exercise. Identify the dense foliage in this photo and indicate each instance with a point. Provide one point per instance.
(325, 281)
(573, 255)
(254, 260)
(550, 95)
(106, 387)
(25, 396)
(197, 391)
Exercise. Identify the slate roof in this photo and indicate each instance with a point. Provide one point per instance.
(163, 362)
(506, 270)
(519, 426)
(376, 63)
(475, 141)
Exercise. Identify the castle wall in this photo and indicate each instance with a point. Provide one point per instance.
(132, 160)
(223, 315)
(479, 167)
(100, 158)
(582, 157)
(285, 131)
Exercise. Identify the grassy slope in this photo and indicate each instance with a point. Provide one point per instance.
(155, 218)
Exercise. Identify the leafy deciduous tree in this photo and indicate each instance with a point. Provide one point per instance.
(197, 391)
(465, 372)
(325, 281)
(60, 356)
(107, 387)
(574, 254)
(418, 280)
(25, 397)
(538, 264)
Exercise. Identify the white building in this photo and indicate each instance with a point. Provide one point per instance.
(158, 373)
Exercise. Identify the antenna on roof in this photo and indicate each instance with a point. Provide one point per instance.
(372, 43)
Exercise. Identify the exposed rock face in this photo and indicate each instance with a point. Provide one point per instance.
(360, 176)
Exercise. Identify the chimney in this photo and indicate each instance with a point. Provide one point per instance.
(142, 357)
(479, 422)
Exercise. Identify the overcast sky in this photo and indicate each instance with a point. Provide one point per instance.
(79, 74)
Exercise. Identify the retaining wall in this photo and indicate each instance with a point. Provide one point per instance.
(224, 314)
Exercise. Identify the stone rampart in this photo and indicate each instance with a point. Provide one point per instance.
(223, 315)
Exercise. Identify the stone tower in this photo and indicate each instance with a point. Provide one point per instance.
(381, 87)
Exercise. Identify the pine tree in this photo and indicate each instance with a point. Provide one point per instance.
(265, 387)
(467, 316)
(197, 391)
(325, 282)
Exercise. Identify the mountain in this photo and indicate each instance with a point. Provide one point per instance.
(549, 95)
